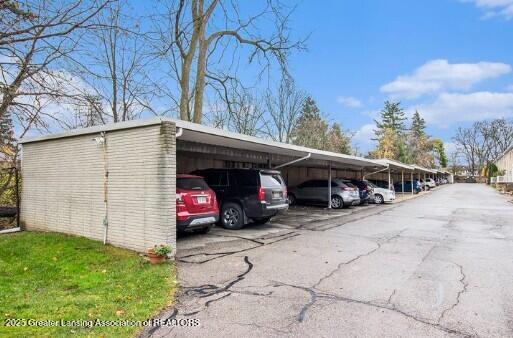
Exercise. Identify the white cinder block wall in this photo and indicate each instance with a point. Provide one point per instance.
(62, 184)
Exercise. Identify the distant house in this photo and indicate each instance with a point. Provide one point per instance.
(505, 165)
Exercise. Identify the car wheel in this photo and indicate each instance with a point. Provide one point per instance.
(204, 230)
(292, 199)
(378, 199)
(262, 220)
(337, 202)
(232, 216)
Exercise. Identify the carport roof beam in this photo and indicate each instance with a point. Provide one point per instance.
(423, 170)
(394, 165)
(294, 161)
(204, 134)
(198, 133)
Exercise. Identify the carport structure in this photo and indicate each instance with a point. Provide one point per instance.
(201, 147)
(396, 172)
(424, 173)
(117, 182)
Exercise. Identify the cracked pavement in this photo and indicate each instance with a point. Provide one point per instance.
(438, 265)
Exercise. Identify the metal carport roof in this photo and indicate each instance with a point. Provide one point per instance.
(425, 170)
(194, 132)
(395, 165)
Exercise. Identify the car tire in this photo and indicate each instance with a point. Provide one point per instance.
(378, 199)
(232, 216)
(204, 230)
(292, 199)
(337, 202)
(262, 220)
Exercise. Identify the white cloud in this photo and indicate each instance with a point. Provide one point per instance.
(363, 138)
(349, 101)
(494, 8)
(449, 108)
(439, 75)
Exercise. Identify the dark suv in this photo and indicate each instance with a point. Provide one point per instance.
(246, 194)
(364, 190)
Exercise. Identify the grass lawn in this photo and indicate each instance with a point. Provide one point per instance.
(49, 276)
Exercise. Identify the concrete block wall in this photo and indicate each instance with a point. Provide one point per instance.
(63, 186)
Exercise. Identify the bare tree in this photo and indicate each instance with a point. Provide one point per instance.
(468, 143)
(246, 114)
(284, 108)
(484, 142)
(202, 43)
(116, 73)
(34, 36)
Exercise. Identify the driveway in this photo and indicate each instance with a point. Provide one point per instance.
(437, 265)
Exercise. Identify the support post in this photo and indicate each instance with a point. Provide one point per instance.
(425, 185)
(329, 186)
(412, 183)
(402, 181)
(389, 187)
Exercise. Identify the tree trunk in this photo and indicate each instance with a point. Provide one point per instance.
(200, 76)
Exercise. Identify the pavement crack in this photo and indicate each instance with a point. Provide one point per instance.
(389, 300)
(464, 288)
(316, 295)
(396, 310)
(208, 290)
(207, 304)
(339, 266)
(283, 237)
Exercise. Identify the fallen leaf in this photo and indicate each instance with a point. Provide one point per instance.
(25, 269)
(120, 312)
(104, 271)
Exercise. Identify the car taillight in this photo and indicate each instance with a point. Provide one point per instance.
(261, 194)
(348, 189)
(213, 199)
(285, 192)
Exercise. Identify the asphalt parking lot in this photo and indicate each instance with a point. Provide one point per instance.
(437, 265)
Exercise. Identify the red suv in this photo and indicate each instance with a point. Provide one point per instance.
(196, 204)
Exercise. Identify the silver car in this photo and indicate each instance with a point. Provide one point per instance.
(343, 193)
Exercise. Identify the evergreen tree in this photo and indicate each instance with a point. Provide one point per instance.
(418, 125)
(311, 130)
(392, 117)
(390, 133)
(420, 145)
(338, 141)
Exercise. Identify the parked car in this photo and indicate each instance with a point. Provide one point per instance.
(380, 183)
(430, 183)
(343, 193)
(246, 195)
(196, 204)
(380, 195)
(408, 186)
(364, 190)
(470, 179)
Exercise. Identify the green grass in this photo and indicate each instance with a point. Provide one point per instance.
(48, 276)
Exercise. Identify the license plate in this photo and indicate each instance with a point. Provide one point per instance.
(277, 195)
(201, 199)
(204, 220)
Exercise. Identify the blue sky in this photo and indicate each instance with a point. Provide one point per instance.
(448, 58)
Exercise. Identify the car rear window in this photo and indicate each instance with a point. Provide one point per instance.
(342, 184)
(270, 180)
(191, 183)
(372, 185)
